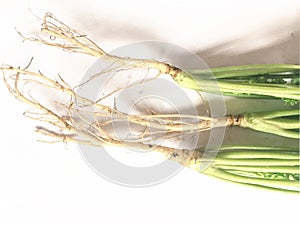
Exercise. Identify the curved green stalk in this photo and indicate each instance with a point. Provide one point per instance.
(284, 123)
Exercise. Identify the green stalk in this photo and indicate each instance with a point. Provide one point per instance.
(254, 81)
(282, 185)
(250, 70)
(263, 169)
(254, 147)
(256, 162)
(284, 123)
(272, 168)
(259, 154)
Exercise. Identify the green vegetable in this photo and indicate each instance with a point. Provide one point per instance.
(268, 167)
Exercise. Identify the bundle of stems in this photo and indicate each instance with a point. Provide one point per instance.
(251, 81)
(272, 168)
(267, 167)
(261, 166)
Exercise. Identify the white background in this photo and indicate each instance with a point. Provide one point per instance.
(51, 184)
